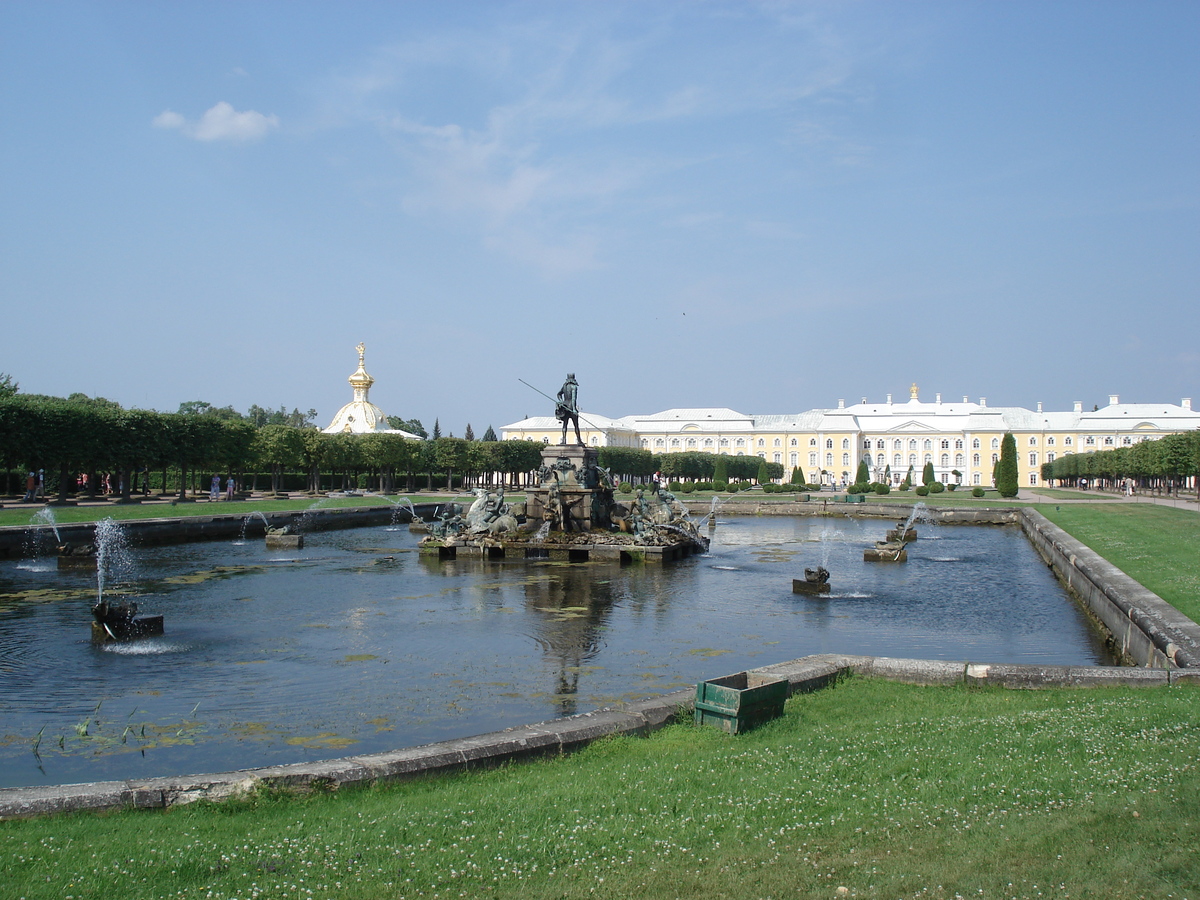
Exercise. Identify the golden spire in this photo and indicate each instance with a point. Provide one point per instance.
(912, 391)
(360, 380)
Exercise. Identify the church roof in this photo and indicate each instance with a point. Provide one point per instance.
(360, 415)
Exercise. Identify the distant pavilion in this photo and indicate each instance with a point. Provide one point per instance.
(360, 415)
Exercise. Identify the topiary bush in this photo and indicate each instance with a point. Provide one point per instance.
(724, 486)
(704, 485)
(625, 487)
(770, 488)
(882, 488)
(922, 491)
(976, 492)
(952, 487)
(936, 487)
(744, 485)
(687, 487)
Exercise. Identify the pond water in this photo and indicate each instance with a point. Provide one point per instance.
(356, 644)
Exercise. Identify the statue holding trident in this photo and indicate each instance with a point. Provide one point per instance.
(567, 407)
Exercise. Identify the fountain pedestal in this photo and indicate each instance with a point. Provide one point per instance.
(120, 622)
(581, 513)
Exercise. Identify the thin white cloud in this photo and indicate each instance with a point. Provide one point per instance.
(578, 122)
(220, 123)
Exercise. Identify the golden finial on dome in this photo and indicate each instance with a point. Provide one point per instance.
(912, 391)
(360, 380)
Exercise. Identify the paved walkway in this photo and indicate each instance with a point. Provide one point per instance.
(1032, 497)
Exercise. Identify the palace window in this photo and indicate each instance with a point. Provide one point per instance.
(794, 459)
(674, 442)
(1127, 440)
(896, 460)
(912, 459)
(912, 445)
(741, 442)
(928, 444)
(958, 444)
(812, 459)
(1033, 477)
(659, 442)
(958, 459)
(761, 442)
(995, 458)
(778, 443)
(1032, 441)
(691, 442)
(898, 444)
(1033, 458)
(1067, 440)
(1050, 440)
(724, 442)
(975, 479)
(778, 457)
(1089, 440)
(945, 460)
(867, 444)
(975, 460)
(879, 445)
(928, 457)
(867, 459)
(1108, 441)
(795, 443)
(1050, 456)
(975, 444)
(708, 442)
(845, 443)
(812, 442)
(845, 459)
(945, 445)
(829, 460)
(646, 443)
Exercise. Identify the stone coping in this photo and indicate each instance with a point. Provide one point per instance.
(550, 738)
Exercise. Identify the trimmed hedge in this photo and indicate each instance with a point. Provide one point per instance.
(976, 492)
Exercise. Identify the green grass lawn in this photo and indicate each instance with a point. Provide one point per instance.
(70, 514)
(1156, 546)
(886, 790)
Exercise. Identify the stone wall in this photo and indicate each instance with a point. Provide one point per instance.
(1143, 625)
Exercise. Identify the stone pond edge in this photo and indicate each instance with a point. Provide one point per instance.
(551, 738)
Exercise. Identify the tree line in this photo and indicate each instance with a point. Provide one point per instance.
(1166, 463)
(90, 437)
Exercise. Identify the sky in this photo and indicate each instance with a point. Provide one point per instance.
(764, 206)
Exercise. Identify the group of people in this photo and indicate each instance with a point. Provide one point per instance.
(215, 488)
(35, 486)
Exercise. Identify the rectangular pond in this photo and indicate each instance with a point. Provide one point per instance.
(357, 644)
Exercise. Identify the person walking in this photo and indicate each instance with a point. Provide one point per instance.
(214, 490)
(229, 487)
(30, 487)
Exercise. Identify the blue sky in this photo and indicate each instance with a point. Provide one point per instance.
(766, 206)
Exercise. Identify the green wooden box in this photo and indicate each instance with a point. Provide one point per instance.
(737, 703)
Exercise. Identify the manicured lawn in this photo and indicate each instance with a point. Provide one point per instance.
(1157, 546)
(887, 790)
(90, 513)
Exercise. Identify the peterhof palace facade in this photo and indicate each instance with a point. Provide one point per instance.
(827, 444)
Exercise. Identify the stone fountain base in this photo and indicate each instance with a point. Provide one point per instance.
(120, 622)
(884, 551)
(558, 546)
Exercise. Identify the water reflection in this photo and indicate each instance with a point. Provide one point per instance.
(358, 644)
